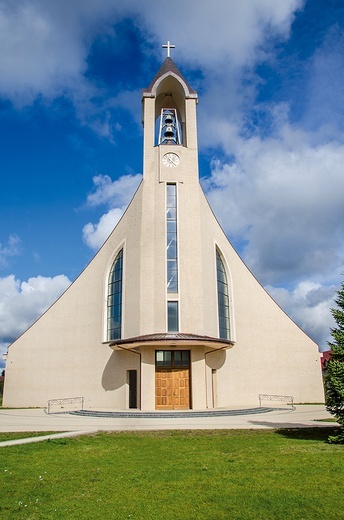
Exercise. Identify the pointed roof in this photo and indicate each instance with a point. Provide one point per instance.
(169, 67)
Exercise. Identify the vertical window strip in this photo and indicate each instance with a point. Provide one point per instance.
(114, 300)
(171, 238)
(222, 298)
(172, 316)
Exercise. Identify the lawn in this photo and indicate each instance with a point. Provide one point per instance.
(244, 474)
(21, 435)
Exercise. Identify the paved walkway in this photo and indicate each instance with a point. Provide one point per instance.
(37, 420)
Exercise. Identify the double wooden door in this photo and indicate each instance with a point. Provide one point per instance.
(172, 380)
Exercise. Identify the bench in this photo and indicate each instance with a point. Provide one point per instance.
(281, 398)
(66, 402)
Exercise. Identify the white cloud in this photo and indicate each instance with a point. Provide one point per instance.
(281, 200)
(231, 33)
(12, 248)
(94, 235)
(115, 195)
(44, 46)
(21, 303)
(44, 51)
(35, 58)
(285, 199)
(309, 305)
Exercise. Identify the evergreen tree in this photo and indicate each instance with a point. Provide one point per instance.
(335, 368)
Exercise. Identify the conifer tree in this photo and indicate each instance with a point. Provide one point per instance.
(335, 368)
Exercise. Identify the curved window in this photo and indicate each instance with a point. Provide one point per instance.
(222, 298)
(114, 301)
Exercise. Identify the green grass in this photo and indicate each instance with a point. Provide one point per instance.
(22, 435)
(244, 474)
(330, 419)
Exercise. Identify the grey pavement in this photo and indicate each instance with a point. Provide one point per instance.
(37, 420)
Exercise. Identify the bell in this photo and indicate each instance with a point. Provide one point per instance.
(169, 132)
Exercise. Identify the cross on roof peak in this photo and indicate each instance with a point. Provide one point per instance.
(168, 46)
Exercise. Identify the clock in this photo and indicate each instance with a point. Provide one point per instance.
(170, 160)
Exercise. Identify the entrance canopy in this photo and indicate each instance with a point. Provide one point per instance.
(171, 340)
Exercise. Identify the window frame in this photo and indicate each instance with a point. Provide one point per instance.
(223, 297)
(172, 304)
(114, 299)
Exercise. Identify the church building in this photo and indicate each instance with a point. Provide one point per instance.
(166, 316)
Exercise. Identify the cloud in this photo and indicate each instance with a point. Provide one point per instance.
(35, 57)
(309, 305)
(12, 248)
(284, 198)
(45, 47)
(280, 200)
(94, 235)
(44, 55)
(242, 29)
(21, 303)
(115, 195)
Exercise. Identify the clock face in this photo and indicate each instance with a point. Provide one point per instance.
(170, 160)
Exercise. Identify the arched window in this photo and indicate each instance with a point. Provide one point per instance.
(222, 298)
(114, 301)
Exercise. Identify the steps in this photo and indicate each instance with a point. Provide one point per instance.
(171, 414)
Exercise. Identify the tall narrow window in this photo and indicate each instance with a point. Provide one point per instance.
(172, 317)
(223, 298)
(114, 302)
(171, 245)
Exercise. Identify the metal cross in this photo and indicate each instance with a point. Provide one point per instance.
(169, 46)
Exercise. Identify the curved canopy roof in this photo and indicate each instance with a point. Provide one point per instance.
(171, 340)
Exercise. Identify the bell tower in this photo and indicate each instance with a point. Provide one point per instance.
(169, 120)
(171, 193)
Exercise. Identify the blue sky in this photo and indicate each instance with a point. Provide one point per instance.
(269, 74)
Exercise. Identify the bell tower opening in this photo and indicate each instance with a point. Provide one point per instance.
(169, 128)
(170, 112)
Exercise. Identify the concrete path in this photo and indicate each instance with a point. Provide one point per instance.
(37, 420)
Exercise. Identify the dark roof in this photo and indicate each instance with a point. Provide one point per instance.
(171, 337)
(169, 66)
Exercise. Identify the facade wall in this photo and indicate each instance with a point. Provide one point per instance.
(65, 353)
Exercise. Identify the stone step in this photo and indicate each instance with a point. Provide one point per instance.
(171, 414)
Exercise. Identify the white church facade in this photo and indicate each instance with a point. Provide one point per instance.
(166, 316)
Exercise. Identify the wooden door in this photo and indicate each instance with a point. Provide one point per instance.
(181, 389)
(172, 388)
